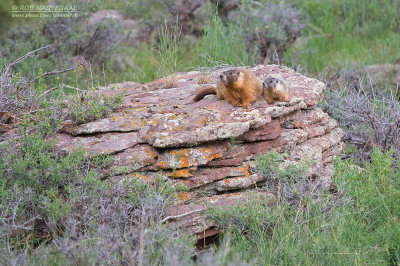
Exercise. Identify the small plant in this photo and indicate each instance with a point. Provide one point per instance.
(91, 105)
(204, 78)
(272, 166)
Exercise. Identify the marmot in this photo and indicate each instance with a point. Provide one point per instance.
(275, 88)
(236, 86)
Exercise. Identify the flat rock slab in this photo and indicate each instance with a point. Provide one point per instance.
(209, 146)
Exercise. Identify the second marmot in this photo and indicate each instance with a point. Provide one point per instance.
(275, 88)
(236, 86)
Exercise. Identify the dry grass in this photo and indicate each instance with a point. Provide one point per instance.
(204, 78)
(170, 82)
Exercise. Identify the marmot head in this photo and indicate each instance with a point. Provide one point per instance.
(270, 82)
(230, 76)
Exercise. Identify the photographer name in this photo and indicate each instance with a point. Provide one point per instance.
(45, 8)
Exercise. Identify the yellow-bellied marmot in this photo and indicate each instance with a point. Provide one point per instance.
(236, 86)
(275, 88)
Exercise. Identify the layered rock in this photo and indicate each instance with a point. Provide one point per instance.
(209, 146)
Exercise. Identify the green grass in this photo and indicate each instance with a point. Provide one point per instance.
(360, 225)
(222, 44)
(341, 33)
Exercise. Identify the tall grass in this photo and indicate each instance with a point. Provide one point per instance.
(223, 44)
(360, 225)
(339, 33)
(168, 49)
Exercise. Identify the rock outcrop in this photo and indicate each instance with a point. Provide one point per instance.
(209, 147)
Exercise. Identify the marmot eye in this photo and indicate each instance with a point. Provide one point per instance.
(221, 76)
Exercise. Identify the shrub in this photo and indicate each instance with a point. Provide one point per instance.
(90, 105)
(370, 116)
(285, 178)
(20, 94)
(269, 28)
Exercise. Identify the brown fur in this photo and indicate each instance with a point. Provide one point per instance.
(236, 86)
(275, 88)
(203, 92)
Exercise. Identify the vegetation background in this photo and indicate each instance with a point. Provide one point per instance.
(55, 210)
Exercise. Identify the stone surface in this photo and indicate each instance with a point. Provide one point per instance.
(209, 146)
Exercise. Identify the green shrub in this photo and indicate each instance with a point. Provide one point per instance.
(91, 105)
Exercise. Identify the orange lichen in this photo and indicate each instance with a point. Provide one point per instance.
(184, 159)
(244, 170)
(163, 164)
(297, 124)
(181, 156)
(144, 177)
(183, 196)
(180, 173)
(152, 154)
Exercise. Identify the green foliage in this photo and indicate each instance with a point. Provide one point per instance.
(55, 209)
(271, 165)
(339, 33)
(91, 105)
(358, 226)
(33, 165)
